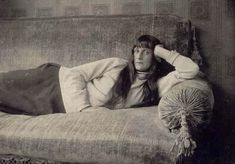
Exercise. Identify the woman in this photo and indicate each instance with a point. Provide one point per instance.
(114, 82)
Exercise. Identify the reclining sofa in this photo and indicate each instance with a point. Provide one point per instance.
(136, 135)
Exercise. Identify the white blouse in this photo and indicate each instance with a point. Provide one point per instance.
(91, 84)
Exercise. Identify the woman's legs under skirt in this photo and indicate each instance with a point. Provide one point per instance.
(32, 92)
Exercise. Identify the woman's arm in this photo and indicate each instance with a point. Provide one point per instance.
(98, 68)
(184, 66)
(74, 80)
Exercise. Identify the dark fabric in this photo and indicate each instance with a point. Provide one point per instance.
(34, 91)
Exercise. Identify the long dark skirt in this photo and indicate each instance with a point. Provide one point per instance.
(32, 92)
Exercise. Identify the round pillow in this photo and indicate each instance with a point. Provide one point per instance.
(193, 97)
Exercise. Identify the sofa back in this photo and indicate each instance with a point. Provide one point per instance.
(75, 40)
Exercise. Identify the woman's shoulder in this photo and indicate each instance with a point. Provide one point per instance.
(101, 63)
(114, 61)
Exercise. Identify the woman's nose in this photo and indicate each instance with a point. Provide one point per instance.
(140, 55)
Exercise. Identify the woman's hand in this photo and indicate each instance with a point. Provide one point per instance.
(161, 52)
(169, 56)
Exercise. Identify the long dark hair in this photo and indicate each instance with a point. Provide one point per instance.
(128, 75)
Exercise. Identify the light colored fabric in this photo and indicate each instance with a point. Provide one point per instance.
(163, 53)
(194, 97)
(185, 67)
(187, 109)
(135, 95)
(90, 84)
(133, 135)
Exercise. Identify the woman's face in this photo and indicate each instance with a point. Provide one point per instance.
(142, 58)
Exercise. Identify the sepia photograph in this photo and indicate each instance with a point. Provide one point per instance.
(117, 81)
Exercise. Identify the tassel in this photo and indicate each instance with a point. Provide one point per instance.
(184, 144)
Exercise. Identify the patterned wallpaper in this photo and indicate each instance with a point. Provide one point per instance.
(214, 19)
(196, 9)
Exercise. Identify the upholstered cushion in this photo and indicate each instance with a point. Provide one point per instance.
(120, 136)
(194, 97)
(28, 43)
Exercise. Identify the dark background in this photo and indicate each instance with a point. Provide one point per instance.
(215, 23)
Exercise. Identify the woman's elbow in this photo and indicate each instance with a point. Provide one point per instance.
(194, 71)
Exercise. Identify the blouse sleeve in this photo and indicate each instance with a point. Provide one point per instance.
(74, 80)
(185, 68)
